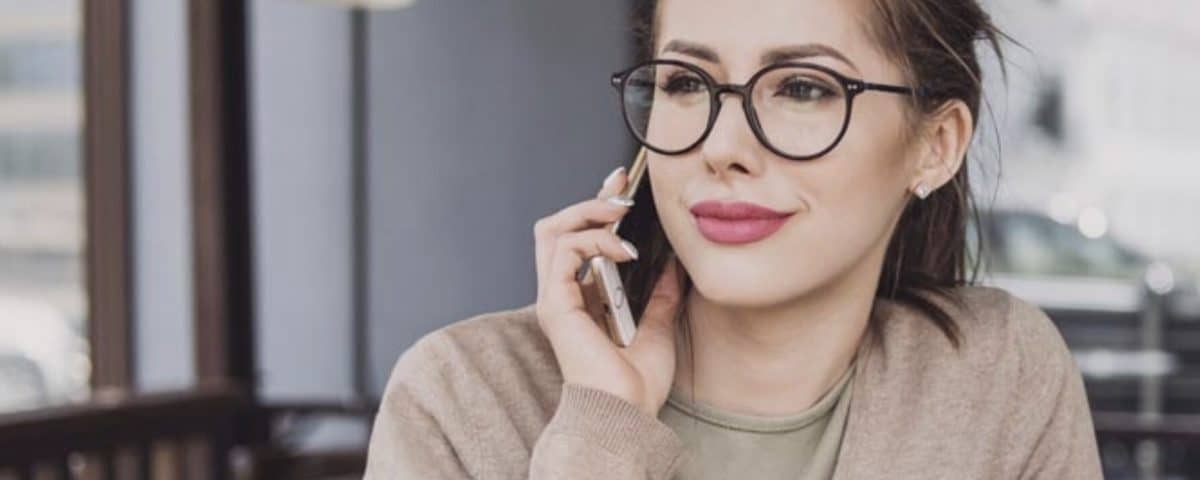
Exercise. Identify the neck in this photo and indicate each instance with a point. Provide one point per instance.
(777, 360)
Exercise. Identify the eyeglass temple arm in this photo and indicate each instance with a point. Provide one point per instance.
(887, 88)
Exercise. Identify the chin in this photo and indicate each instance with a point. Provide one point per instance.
(745, 286)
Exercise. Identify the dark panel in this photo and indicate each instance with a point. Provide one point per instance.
(106, 172)
(221, 192)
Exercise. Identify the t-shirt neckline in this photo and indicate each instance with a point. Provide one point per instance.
(763, 423)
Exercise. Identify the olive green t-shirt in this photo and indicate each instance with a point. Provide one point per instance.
(721, 444)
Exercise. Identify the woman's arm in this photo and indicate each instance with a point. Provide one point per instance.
(597, 435)
(424, 429)
(1067, 448)
(408, 439)
(1065, 443)
(404, 448)
(593, 435)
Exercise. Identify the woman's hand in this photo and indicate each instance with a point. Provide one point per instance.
(641, 373)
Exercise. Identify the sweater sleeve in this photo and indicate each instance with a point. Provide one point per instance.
(408, 439)
(426, 428)
(403, 448)
(596, 435)
(593, 435)
(1066, 446)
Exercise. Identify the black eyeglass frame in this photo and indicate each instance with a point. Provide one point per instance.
(852, 86)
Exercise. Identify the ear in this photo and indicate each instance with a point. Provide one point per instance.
(944, 138)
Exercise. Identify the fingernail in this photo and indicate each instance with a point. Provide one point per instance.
(619, 200)
(630, 248)
(613, 176)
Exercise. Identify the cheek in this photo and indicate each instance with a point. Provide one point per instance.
(667, 176)
(859, 199)
(870, 164)
(858, 189)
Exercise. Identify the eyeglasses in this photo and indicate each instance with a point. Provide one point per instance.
(797, 110)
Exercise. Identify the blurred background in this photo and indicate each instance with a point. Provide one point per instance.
(221, 222)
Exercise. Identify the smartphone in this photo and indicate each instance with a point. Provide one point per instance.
(614, 308)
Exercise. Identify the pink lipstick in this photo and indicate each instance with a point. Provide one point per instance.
(737, 222)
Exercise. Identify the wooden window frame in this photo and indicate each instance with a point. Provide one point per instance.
(220, 184)
(106, 169)
(221, 193)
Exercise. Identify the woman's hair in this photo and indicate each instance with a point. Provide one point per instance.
(933, 42)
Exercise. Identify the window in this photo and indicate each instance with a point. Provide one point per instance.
(44, 351)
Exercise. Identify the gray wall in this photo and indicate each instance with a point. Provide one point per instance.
(301, 144)
(485, 116)
(300, 121)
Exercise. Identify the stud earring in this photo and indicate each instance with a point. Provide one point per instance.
(922, 191)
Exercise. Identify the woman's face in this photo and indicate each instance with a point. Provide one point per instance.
(845, 202)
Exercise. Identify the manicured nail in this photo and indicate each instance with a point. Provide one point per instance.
(630, 248)
(619, 200)
(613, 176)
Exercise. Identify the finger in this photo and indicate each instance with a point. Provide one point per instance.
(612, 186)
(562, 293)
(568, 306)
(573, 249)
(583, 215)
(589, 214)
(575, 218)
(613, 183)
(579, 216)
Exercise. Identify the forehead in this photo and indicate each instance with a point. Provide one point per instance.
(740, 31)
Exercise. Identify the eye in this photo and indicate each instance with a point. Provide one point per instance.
(683, 82)
(805, 90)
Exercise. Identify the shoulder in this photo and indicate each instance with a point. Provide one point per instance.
(466, 396)
(1000, 333)
(490, 356)
(998, 390)
(1009, 399)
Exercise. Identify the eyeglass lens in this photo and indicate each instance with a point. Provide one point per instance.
(801, 110)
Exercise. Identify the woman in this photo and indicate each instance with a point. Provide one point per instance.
(820, 328)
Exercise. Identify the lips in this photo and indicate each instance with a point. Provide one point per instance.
(737, 222)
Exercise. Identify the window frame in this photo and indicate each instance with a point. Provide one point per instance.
(108, 256)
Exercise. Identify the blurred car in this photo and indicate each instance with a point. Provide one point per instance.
(43, 360)
(1056, 266)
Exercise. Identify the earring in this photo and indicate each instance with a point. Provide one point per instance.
(922, 191)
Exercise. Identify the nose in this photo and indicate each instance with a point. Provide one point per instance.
(731, 144)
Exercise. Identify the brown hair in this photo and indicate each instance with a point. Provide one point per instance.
(933, 41)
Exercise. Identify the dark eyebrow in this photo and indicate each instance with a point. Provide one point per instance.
(793, 52)
(694, 49)
(774, 55)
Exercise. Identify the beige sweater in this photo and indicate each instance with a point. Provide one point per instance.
(483, 398)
